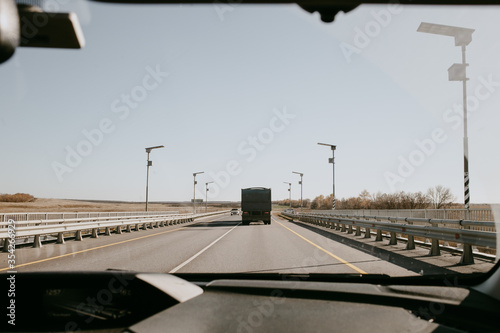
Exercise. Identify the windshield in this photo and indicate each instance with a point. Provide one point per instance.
(343, 146)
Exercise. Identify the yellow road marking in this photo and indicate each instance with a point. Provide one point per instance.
(359, 270)
(96, 248)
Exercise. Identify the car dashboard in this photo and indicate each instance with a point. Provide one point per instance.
(120, 301)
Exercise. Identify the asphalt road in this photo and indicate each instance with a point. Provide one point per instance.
(213, 244)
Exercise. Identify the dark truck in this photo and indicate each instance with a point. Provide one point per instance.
(255, 205)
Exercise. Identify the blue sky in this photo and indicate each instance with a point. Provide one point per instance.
(244, 94)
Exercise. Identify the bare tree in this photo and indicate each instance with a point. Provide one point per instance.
(440, 196)
(316, 203)
(365, 199)
(421, 201)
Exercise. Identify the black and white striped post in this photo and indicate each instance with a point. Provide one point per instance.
(332, 161)
(457, 72)
(467, 257)
(466, 139)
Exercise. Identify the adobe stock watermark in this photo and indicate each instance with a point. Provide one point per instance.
(10, 245)
(248, 151)
(121, 107)
(264, 308)
(363, 36)
(224, 7)
(453, 117)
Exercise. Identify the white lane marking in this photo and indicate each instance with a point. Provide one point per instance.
(206, 248)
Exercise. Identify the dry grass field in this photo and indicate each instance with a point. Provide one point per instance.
(63, 205)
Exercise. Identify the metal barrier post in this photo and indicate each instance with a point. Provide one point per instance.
(37, 243)
(410, 245)
(393, 240)
(435, 250)
(467, 256)
(6, 244)
(60, 238)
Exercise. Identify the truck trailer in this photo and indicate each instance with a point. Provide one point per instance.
(255, 205)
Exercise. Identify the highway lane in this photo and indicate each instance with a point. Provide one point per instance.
(213, 244)
(286, 248)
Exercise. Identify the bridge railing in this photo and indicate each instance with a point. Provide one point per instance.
(482, 214)
(446, 230)
(4, 217)
(12, 230)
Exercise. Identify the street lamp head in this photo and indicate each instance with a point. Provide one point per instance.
(298, 173)
(197, 173)
(148, 150)
(208, 183)
(328, 145)
(463, 36)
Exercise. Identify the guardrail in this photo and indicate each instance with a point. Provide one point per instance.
(458, 231)
(4, 217)
(481, 214)
(91, 225)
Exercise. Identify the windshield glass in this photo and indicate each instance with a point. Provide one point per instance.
(142, 142)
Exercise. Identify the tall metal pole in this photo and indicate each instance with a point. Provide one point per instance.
(331, 160)
(194, 194)
(148, 150)
(206, 195)
(466, 139)
(301, 192)
(457, 72)
(467, 256)
(300, 182)
(289, 193)
(333, 167)
(194, 190)
(147, 183)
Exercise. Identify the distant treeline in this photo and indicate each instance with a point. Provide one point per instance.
(18, 197)
(435, 197)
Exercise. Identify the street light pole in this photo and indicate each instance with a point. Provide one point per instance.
(150, 163)
(289, 193)
(206, 195)
(466, 138)
(332, 160)
(300, 182)
(194, 190)
(457, 72)
(147, 179)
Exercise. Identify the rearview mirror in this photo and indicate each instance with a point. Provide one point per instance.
(30, 26)
(9, 29)
(47, 29)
